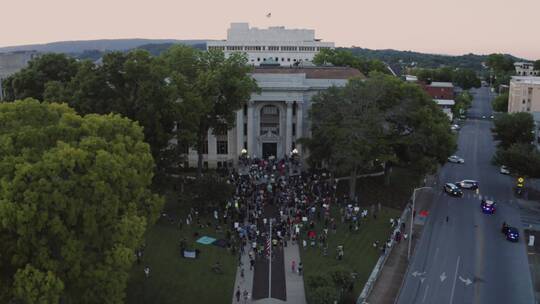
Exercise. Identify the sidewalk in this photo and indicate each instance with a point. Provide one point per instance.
(389, 282)
(294, 283)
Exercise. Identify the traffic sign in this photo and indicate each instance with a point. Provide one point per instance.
(521, 180)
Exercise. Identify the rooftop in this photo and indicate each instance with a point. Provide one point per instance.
(312, 72)
(525, 79)
(436, 84)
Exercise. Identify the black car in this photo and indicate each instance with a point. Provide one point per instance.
(452, 189)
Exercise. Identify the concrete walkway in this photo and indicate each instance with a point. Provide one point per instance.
(294, 283)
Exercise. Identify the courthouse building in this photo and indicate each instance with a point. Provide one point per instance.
(524, 96)
(276, 117)
(283, 46)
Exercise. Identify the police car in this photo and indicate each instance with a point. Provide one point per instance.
(512, 234)
(488, 206)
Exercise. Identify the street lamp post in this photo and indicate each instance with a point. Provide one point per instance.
(411, 224)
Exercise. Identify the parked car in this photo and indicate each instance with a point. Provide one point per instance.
(452, 189)
(468, 184)
(504, 170)
(456, 159)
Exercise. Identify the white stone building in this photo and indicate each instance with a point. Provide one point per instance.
(276, 44)
(524, 96)
(274, 119)
(525, 69)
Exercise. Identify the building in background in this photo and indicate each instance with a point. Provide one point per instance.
(525, 69)
(277, 44)
(274, 119)
(13, 62)
(524, 96)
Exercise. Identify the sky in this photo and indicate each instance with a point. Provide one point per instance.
(433, 26)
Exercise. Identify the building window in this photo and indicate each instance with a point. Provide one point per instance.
(293, 129)
(277, 59)
(282, 59)
(245, 129)
(288, 59)
(222, 147)
(523, 101)
(245, 110)
(245, 145)
(258, 59)
(294, 109)
(273, 48)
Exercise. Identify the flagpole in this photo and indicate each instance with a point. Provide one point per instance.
(270, 261)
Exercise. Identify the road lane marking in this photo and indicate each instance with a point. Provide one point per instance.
(466, 281)
(443, 277)
(425, 293)
(455, 279)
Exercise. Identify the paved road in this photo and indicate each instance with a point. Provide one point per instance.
(467, 259)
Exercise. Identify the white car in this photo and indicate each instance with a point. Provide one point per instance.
(454, 127)
(504, 170)
(456, 159)
(468, 184)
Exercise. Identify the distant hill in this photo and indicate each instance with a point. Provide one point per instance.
(423, 60)
(73, 47)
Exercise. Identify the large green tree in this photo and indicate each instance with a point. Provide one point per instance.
(74, 203)
(500, 103)
(513, 128)
(341, 57)
(521, 158)
(537, 65)
(210, 88)
(32, 80)
(382, 120)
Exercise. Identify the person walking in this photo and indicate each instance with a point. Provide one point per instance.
(238, 295)
(293, 266)
(300, 268)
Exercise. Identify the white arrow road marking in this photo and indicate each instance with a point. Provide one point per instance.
(466, 281)
(422, 280)
(416, 273)
(443, 276)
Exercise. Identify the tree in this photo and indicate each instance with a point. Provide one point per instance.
(210, 89)
(466, 79)
(32, 80)
(521, 158)
(514, 128)
(537, 65)
(500, 63)
(211, 190)
(132, 84)
(340, 57)
(74, 203)
(382, 120)
(463, 102)
(500, 103)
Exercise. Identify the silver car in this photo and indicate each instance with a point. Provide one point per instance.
(456, 159)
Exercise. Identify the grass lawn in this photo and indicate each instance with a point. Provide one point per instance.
(359, 254)
(372, 190)
(174, 279)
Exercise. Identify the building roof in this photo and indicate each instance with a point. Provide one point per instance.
(445, 102)
(411, 78)
(436, 84)
(525, 79)
(312, 72)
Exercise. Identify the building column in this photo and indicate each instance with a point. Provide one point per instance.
(288, 129)
(239, 133)
(251, 129)
(212, 149)
(299, 124)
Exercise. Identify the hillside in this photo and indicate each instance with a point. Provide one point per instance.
(71, 47)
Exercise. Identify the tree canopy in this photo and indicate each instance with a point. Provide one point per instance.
(342, 57)
(500, 103)
(74, 203)
(209, 89)
(513, 128)
(537, 65)
(520, 158)
(464, 78)
(381, 120)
